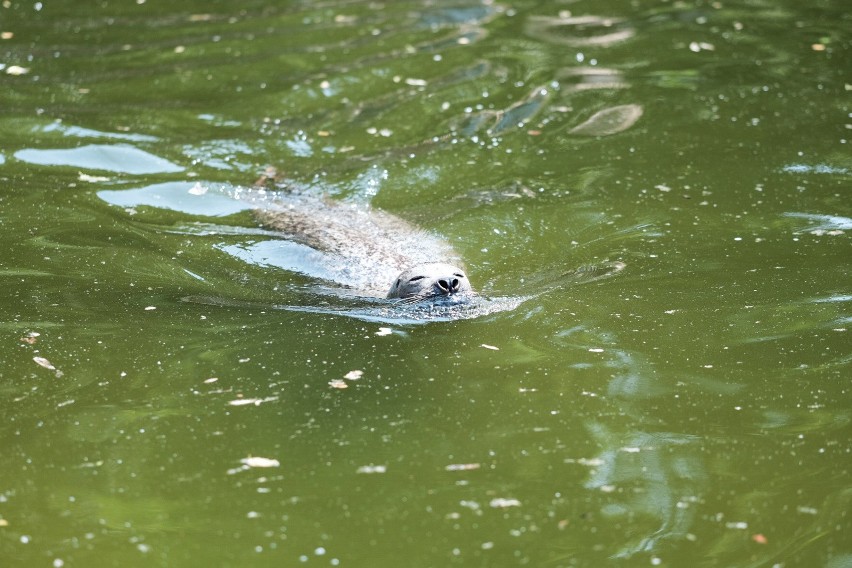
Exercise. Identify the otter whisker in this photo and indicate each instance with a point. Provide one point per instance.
(415, 298)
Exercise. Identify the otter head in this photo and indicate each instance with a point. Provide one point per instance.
(430, 280)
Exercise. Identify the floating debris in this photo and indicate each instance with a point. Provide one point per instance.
(17, 70)
(372, 469)
(251, 461)
(250, 401)
(462, 466)
(44, 363)
(30, 337)
(503, 503)
(260, 462)
(589, 462)
(91, 179)
(696, 46)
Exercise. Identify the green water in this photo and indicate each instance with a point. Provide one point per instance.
(693, 409)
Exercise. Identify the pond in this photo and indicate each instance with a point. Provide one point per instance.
(175, 394)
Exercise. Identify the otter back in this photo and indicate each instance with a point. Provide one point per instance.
(361, 248)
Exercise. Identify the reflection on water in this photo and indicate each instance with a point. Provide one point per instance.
(587, 78)
(664, 479)
(80, 132)
(579, 31)
(609, 121)
(177, 196)
(118, 158)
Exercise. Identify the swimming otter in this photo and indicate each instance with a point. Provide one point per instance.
(364, 248)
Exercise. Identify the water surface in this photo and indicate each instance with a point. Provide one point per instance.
(162, 409)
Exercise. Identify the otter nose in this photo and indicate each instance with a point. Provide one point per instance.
(448, 285)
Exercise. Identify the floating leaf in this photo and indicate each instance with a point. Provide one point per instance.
(260, 462)
(91, 179)
(17, 70)
(372, 469)
(31, 337)
(462, 466)
(254, 401)
(44, 363)
(502, 503)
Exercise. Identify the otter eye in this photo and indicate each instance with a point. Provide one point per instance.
(416, 278)
(459, 275)
(398, 282)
